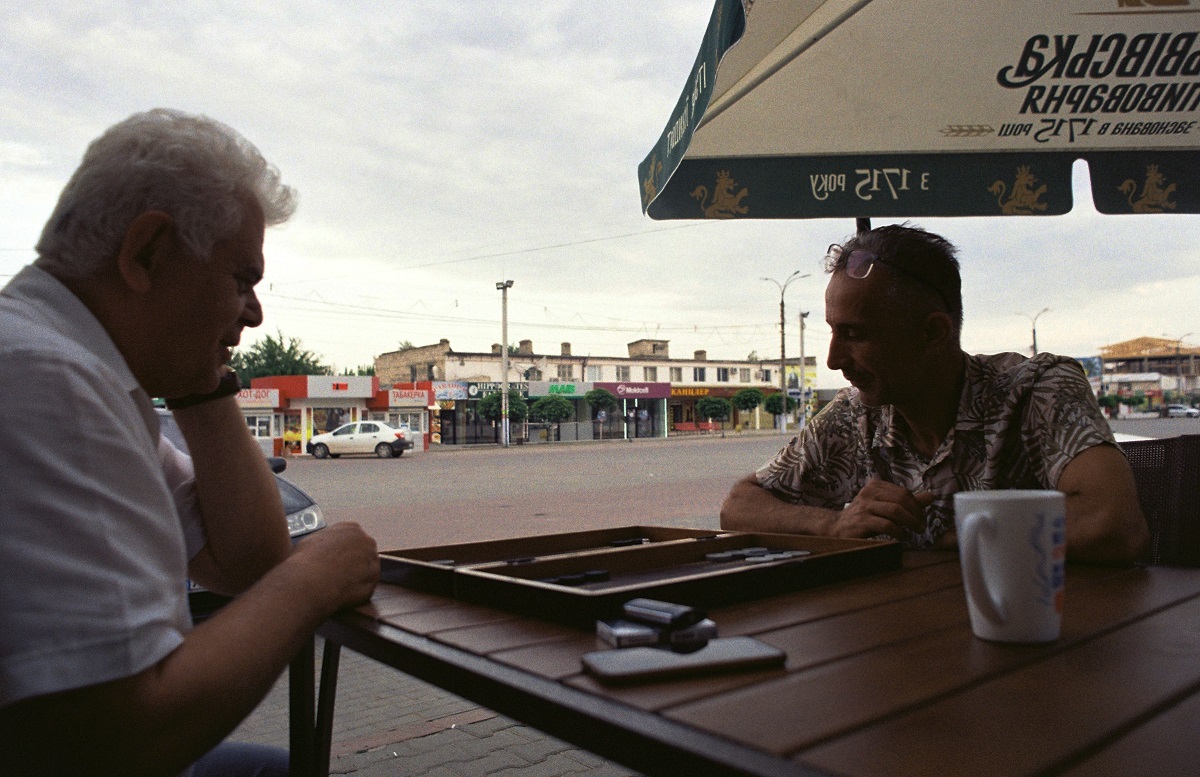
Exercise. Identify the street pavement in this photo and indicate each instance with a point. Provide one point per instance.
(387, 723)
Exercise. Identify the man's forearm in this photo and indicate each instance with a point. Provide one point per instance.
(162, 719)
(236, 493)
(750, 507)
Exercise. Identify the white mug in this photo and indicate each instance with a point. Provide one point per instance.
(1013, 549)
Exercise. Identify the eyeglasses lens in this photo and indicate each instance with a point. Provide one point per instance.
(859, 263)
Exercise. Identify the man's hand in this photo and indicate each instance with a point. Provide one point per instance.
(342, 560)
(882, 508)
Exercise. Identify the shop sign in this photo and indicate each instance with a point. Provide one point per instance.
(570, 389)
(341, 386)
(481, 390)
(443, 389)
(677, 391)
(258, 397)
(408, 398)
(638, 390)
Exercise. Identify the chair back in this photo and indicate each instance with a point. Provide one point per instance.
(1167, 473)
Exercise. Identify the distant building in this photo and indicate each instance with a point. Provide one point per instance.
(656, 390)
(1156, 366)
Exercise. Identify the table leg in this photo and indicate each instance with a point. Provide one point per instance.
(330, 655)
(301, 726)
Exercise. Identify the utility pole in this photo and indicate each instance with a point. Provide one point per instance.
(1179, 366)
(1033, 319)
(783, 345)
(803, 375)
(504, 286)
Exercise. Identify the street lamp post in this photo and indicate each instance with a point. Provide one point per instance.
(504, 286)
(1178, 365)
(783, 344)
(1033, 320)
(803, 375)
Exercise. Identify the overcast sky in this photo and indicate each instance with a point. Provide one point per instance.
(441, 147)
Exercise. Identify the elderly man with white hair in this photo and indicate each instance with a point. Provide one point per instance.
(143, 284)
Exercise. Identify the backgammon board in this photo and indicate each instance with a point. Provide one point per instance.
(579, 577)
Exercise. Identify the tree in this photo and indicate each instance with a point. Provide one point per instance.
(489, 407)
(274, 356)
(747, 399)
(1109, 401)
(362, 370)
(715, 408)
(774, 404)
(551, 409)
(406, 345)
(601, 399)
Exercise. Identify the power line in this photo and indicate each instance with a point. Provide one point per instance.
(514, 252)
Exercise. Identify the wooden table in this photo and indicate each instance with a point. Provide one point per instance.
(883, 677)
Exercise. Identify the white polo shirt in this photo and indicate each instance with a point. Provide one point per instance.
(93, 552)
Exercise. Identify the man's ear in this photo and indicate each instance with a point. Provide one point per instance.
(939, 328)
(142, 248)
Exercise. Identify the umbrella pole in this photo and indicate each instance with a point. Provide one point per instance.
(862, 225)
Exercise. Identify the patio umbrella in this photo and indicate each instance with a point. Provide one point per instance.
(911, 108)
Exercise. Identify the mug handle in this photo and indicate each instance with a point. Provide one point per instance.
(977, 588)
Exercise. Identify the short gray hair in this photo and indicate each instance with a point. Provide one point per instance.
(193, 168)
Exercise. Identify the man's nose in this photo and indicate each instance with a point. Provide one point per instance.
(252, 314)
(835, 360)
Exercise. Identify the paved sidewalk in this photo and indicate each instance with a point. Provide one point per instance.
(387, 723)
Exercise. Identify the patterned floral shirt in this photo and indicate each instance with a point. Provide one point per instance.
(1020, 421)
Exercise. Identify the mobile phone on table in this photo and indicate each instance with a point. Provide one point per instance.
(627, 665)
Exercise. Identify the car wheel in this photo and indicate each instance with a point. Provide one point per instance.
(321, 451)
(383, 450)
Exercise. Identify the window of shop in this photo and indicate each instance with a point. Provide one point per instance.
(326, 419)
(533, 373)
(722, 374)
(698, 374)
(650, 374)
(566, 372)
(595, 374)
(677, 374)
(260, 425)
(623, 372)
(414, 419)
(744, 375)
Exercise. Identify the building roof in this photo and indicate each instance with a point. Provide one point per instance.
(1144, 347)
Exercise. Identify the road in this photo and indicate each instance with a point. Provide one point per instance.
(461, 495)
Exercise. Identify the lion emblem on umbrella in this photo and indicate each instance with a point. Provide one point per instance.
(1154, 197)
(1025, 199)
(724, 203)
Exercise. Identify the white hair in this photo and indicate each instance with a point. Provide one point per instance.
(193, 168)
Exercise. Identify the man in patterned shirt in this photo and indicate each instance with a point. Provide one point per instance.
(923, 420)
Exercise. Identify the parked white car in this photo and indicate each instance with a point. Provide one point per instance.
(362, 437)
(1182, 411)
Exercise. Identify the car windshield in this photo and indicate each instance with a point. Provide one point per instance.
(294, 500)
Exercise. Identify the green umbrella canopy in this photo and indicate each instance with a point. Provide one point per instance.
(912, 108)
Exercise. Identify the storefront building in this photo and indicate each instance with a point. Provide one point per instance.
(305, 405)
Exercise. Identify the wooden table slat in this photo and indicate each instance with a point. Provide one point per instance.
(781, 717)
(1048, 712)
(1165, 746)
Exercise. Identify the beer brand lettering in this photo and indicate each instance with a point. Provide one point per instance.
(823, 184)
(1158, 72)
(561, 388)
(1149, 54)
